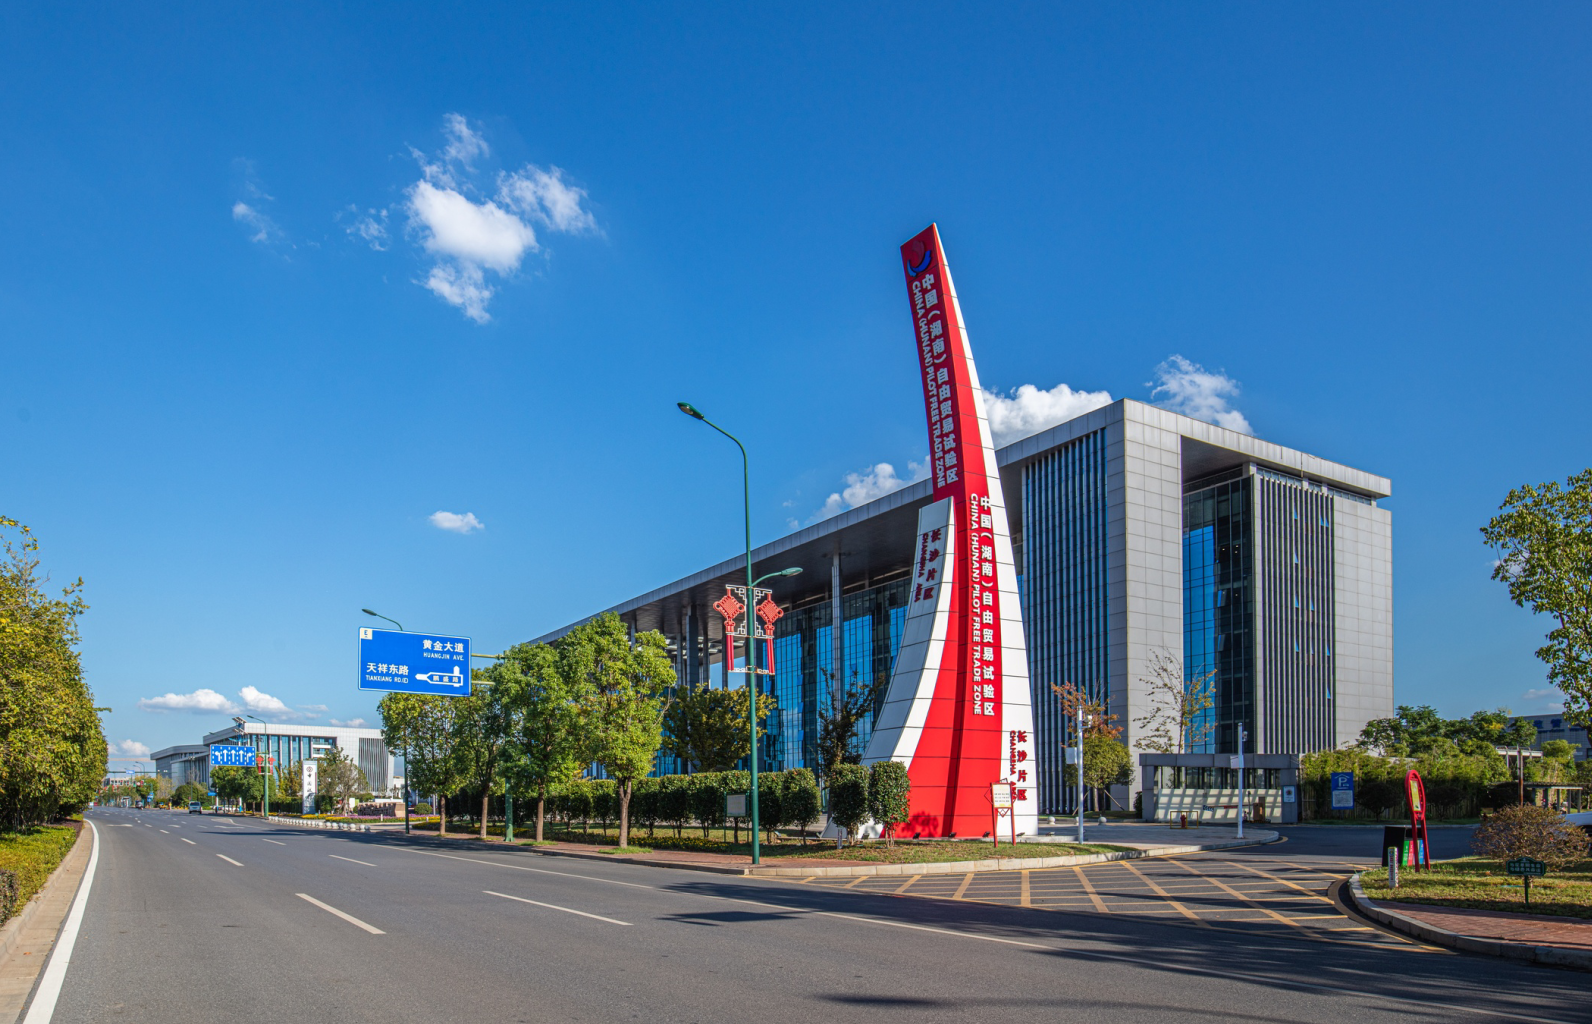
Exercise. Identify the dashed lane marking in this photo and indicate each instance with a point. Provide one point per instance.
(190, 842)
(265, 840)
(351, 860)
(229, 860)
(554, 906)
(350, 918)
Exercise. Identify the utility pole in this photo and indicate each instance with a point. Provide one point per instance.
(1242, 735)
(1079, 738)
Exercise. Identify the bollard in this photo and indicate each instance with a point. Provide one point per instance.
(1392, 867)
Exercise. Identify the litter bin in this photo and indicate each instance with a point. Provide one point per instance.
(1402, 838)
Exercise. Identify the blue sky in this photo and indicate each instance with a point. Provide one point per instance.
(280, 287)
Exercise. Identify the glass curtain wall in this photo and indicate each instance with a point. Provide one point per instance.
(1064, 604)
(1219, 609)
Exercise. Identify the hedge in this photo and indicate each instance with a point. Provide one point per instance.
(787, 799)
(1457, 785)
(29, 856)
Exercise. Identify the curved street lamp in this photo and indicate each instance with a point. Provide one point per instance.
(378, 615)
(751, 584)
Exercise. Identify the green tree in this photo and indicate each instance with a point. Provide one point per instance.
(801, 803)
(1543, 537)
(546, 747)
(889, 796)
(425, 727)
(1176, 718)
(840, 717)
(848, 797)
(708, 728)
(52, 750)
(237, 785)
(340, 778)
(488, 725)
(187, 793)
(624, 683)
(1106, 762)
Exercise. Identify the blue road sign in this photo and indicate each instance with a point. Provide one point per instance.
(1343, 790)
(231, 755)
(414, 662)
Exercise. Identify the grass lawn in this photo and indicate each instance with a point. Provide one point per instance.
(33, 855)
(1479, 884)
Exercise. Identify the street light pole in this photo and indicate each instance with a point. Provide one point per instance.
(266, 731)
(751, 675)
(401, 629)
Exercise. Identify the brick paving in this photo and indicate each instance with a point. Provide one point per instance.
(1531, 929)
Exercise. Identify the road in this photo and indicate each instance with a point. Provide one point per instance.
(206, 919)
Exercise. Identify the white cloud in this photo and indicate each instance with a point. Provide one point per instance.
(130, 748)
(545, 196)
(462, 286)
(352, 723)
(1194, 391)
(480, 234)
(1535, 695)
(266, 705)
(313, 709)
(874, 482)
(456, 523)
(201, 701)
(467, 232)
(1028, 410)
(369, 227)
(464, 144)
(261, 228)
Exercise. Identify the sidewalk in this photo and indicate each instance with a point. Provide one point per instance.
(1538, 938)
(27, 939)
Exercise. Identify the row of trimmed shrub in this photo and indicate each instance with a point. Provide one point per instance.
(788, 799)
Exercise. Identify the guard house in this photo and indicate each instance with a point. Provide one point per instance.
(1205, 787)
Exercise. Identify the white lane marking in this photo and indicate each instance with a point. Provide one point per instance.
(164, 832)
(265, 840)
(49, 991)
(367, 863)
(190, 842)
(1153, 964)
(147, 825)
(554, 906)
(229, 860)
(351, 919)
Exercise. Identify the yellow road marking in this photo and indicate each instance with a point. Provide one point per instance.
(961, 890)
(1099, 904)
(1275, 878)
(855, 881)
(1174, 904)
(1023, 899)
(910, 878)
(1234, 892)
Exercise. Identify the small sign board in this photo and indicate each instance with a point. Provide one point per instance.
(1343, 791)
(414, 662)
(1527, 867)
(735, 805)
(231, 755)
(1290, 794)
(1072, 755)
(1235, 761)
(1001, 795)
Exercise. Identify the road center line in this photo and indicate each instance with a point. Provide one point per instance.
(367, 863)
(229, 860)
(350, 918)
(265, 840)
(553, 906)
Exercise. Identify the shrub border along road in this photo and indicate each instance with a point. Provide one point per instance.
(1556, 956)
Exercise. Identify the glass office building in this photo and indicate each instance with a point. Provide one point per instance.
(1140, 536)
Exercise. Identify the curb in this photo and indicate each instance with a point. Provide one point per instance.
(1555, 956)
(962, 867)
(631, 858)
(339, 826)
(12, 930)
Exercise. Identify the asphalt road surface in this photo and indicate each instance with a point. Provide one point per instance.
(201, 918)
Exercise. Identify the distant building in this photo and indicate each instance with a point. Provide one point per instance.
(1557, 727)
(287, 744)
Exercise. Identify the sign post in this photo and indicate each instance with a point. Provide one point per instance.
(749, 615)
(1415, 796)
(1000, 806)
(414, 662)
(1527, 868)
(1342, 791)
